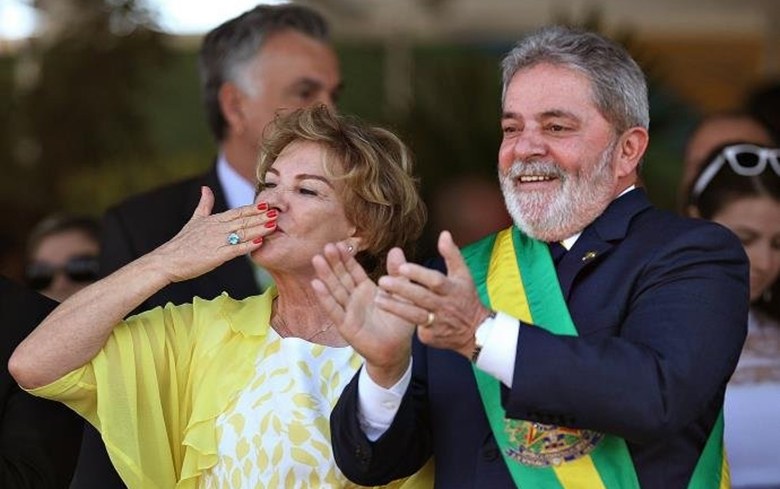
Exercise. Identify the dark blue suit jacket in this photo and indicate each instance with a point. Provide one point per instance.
(661, 313)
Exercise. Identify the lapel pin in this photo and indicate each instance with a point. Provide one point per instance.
(588, 256)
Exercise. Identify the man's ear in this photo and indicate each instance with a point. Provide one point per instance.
(230, 102)
(631, 147)
(692, 211)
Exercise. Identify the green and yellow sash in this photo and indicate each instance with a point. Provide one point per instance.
(515, 274)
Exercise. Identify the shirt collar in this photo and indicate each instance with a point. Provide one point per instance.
(238, 190)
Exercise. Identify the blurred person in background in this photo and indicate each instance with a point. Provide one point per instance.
(62, 258)
(271, 58)
(739, 187)
(470, 207)
(712, 132)
(62, 255)
(39, 439)
(226, 392)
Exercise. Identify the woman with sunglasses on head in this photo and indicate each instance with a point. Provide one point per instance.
(739, 187)
(62, 253)
(234, 393)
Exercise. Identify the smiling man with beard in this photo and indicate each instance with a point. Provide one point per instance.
(588, 345)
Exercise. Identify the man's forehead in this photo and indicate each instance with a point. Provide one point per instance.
(547, 90)
(297, 58)
(290, 42)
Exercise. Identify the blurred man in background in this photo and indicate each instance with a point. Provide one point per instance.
(267, 60)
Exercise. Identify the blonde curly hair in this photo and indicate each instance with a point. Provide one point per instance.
(379, 192)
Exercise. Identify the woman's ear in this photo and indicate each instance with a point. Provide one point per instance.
(355, 244)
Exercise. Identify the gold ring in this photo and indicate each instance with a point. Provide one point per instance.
(430, 320)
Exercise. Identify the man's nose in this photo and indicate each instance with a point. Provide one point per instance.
(528, 145)
(327, 98)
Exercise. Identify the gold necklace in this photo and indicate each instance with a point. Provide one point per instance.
(280, 325)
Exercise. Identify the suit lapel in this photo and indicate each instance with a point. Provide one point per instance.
(598, 239)
(237, 276)
(585, 253)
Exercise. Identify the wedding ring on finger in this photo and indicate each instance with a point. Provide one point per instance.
(431, 318)
(233, 238)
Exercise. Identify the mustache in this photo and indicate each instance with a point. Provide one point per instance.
(520, 168)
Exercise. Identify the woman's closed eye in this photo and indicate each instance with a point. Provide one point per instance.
(301, 190)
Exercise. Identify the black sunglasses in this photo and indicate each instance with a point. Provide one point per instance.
(78, 269)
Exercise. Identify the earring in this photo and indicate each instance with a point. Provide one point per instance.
(767, 295)
(350, 249)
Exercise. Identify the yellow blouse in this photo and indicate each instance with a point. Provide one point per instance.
(154, 392)
(157, 386)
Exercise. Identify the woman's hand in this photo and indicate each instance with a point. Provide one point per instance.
(202, 244)
(348, 296)
(85, 320)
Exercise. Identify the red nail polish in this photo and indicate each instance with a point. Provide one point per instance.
(272, 213)
(270, 224)
(262, 206)
(258, 240)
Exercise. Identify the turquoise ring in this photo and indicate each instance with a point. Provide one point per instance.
(233, 238)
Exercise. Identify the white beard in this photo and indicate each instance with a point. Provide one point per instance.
(555, 216)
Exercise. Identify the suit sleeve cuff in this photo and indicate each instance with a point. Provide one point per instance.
(499, 352)
(377, 406)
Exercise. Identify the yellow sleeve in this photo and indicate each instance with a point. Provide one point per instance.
(133, 392)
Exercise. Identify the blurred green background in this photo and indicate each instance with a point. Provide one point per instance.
(111, 106)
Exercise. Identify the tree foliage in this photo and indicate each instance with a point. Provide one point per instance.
(82, 107)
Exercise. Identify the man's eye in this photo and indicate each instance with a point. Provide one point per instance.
(306, 94)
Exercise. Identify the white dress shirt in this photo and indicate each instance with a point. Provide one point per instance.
(238, 190)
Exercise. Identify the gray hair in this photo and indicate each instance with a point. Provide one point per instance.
(228, 49)
(617, 81)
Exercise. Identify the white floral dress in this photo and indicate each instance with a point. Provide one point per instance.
(277, 433)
